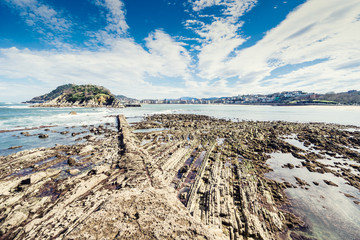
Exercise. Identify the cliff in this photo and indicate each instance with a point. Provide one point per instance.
(71, 95)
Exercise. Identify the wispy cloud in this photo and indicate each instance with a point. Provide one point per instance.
(115, 16)
(172, 57)
(221, 41)
(233, 9)
(320, 29)
(220, 37)
(115, 60)
(40, 16)
(116, 23)
(44, 19)
(316, 30)
(123, 66)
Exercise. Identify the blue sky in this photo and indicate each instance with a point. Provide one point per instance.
(173, 48)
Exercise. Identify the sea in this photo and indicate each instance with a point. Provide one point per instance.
(15, 116)
(335, 218)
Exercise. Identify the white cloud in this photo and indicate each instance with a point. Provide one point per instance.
(171, 56)
(221, 41)
(219, 88)
(116, 27)
(232, 8)
(115, 16)
(221, 37)
(114, 61)
(201, 4)
(320, 29)
(122, 67)
(40, 15)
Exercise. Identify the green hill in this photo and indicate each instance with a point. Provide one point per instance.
(349, 98)
(77, 95)
(52, 95)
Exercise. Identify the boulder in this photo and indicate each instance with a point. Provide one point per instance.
(74, 171)
(330, 183)
(71, 161)
(15, 147)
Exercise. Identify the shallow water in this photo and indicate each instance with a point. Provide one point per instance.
(150, 130)
(10, 139)
(326, 210)
(19, 116)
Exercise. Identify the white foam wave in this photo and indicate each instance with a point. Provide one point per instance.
(13, 107)
(61, 117)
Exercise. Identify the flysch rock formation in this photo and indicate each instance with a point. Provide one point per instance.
(175, 177)
(109, 194)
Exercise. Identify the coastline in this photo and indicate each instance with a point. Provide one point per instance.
(211, 168)
(70, 105)
(259, 104)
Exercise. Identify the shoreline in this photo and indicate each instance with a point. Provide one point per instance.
(27, 128)
(213, 169)
(258, 104)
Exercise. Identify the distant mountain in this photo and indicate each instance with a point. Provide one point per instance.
(77, 95)
(206, 99)
(123, 98)
(213, 98)
(188, 98)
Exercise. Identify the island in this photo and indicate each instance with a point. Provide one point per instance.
(71, 95)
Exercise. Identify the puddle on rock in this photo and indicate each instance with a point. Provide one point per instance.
(150, 130)
(328, 212)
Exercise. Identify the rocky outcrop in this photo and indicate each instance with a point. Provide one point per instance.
(186, 177)
(77, 96)
(112, 195)
(61, 101)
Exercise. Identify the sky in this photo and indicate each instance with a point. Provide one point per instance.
(174, 48)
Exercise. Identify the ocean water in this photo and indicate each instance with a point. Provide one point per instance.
(14, 116)
(20, 116)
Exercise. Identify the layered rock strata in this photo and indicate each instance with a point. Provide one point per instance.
(107, 194)
(177, 177)
(218, 169)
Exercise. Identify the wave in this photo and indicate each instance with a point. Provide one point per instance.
(60, 117)
(9, 103)
(14, 106)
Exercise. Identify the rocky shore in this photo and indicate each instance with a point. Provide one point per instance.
(175, 177)
(71, 95)
(61, 102)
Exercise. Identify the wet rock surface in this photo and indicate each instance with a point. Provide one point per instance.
(187, 177)
(102, 189)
